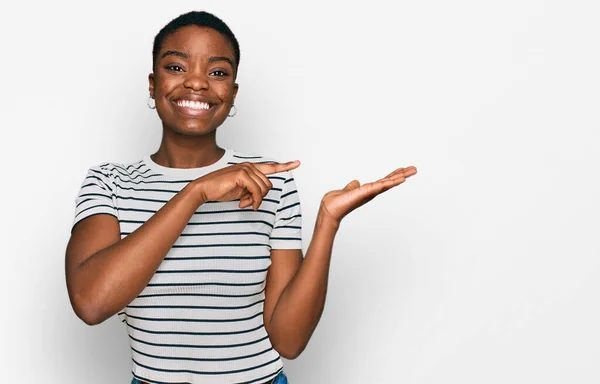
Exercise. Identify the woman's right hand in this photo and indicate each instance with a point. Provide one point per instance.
(245, 181)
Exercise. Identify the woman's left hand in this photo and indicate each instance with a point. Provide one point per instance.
(337, 204)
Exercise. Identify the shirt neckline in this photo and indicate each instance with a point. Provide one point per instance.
(189, 172)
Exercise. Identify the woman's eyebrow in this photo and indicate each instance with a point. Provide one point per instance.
(214, 59)
(176, 53)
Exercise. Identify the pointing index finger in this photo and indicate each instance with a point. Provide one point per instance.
(268, 169)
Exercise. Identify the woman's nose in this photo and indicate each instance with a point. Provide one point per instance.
(196, 80)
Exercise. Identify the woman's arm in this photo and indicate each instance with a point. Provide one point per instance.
(296, 288)
(105, 273)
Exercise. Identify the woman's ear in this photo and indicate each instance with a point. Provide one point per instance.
(235, 89)
(151, 84)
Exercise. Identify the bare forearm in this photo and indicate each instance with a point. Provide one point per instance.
(301, 304)
(110, 279)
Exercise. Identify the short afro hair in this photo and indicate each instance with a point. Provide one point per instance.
(200, 19)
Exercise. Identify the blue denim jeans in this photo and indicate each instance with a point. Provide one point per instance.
(280, 379)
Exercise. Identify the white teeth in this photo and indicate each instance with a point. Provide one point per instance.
(193, 104)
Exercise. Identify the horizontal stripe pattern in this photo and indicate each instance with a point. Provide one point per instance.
(200, 318)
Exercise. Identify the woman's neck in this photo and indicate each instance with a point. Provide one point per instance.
(187, 152)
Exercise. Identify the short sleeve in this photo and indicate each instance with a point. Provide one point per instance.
(287, 230)
(96, 195)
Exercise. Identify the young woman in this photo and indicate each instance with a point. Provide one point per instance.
(198, 248)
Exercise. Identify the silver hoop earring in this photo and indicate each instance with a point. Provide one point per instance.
(234, 111)
(151, 103)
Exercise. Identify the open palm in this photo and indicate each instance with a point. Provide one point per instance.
(339, 203)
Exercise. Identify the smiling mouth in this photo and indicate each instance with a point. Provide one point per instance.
(193, 104)
(194, 107)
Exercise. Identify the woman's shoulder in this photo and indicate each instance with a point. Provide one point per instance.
(119, 169)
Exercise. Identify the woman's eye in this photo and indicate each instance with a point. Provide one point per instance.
(218, 73)
(175, 68)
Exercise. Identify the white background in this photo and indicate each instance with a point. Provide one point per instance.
(483, 268)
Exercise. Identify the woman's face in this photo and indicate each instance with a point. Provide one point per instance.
(193, 83)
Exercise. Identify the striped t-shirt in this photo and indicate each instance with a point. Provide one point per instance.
(200, 318)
